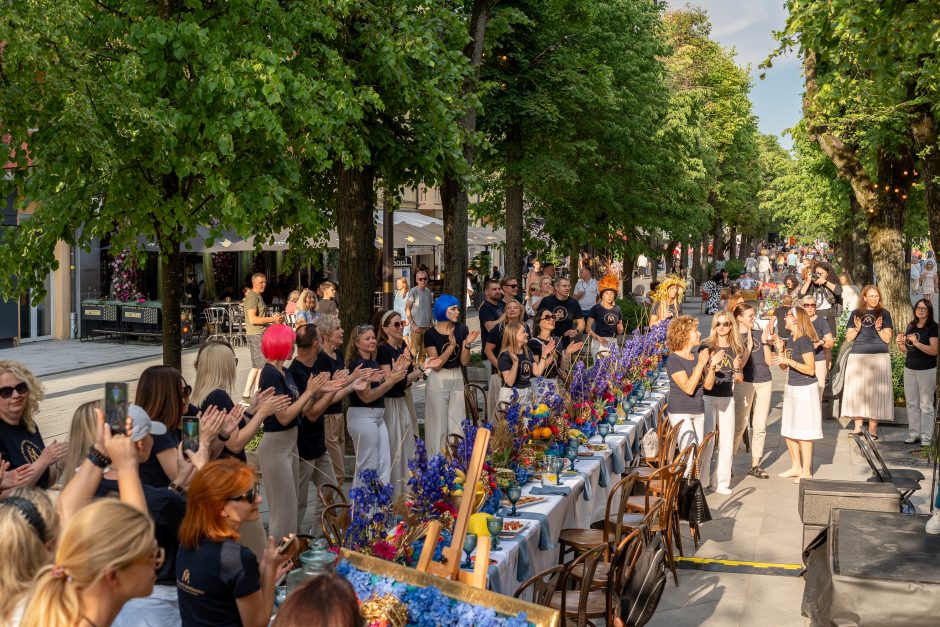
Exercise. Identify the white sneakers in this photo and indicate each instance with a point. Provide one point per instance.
(913, 437)
(727, 491)
(933, 525)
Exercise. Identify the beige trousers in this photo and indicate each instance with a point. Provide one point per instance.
(280, 475)
(320, 471)
(748, 397)
(335, 428)
(444, 407)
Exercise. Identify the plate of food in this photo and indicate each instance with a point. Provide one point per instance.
(512, 528)
(585, 453)
(598, 447)
(525, 501)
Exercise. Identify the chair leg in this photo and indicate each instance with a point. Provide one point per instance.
(678, 533)
(670, 558)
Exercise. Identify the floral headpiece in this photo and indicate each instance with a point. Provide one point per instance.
(608, 282)
(661, 291)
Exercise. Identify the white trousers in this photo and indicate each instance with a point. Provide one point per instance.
(369, 435)
(691, 431)
(821, 371)
(444, 409)
(719, 410)
(401, 442)
(748, 397)
(320, 471)
(919, 387)
(523, 394)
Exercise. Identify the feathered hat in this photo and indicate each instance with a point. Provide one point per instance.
(661, 291)
(608, 282)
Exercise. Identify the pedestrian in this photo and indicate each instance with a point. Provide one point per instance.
(791, 286)
(398, 304)
(326, 305)
(331, 360)
(290, 308)
(928, 280)
(30, 527)
(605, 322)
(752, 392)
(781, 264)
(763, 266)
(398, 423)
(306, 308)
(256, 321)
(534, 275)
(219, 581)
(517, 364)
(750, 265)
(105, 557)
(689, 376)
(850, 295)
(585, 291)
(160, 394)
(315, 464)
(365, 418)
(449, 341)
(667, 300)
(569, 318)
(793, 259)
(719, 398)
(277, 452)
(868, 391)
(801, 422)
(822, 345)
(491, 310)
(919, 342)
(825, 289)
(32, 462)
(418, 313)
(915, 278)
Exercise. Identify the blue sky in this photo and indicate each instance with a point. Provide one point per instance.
(748, 28)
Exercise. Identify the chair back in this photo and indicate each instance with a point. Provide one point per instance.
(668, 445)
(697, 455)
(335, 522)
(617, 504)
(622, 567)
(579, 573)
(543, 584)
(672, 475)
(450, 446)
(330, 494)
(472, 392)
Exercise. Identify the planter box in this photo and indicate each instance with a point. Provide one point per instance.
(140, 315)
(103, 312)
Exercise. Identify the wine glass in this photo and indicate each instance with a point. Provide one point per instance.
(611, 420)
(494, 525)
(603, 429)
(469, 544)
(558, 465)
(513, 493)
(572, 454)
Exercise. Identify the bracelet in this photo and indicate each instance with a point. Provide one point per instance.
(247, 414)
(98, 458)
(176, 488)
(223, 438)
(736, 370)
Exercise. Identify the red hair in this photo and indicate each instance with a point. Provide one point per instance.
(277, 343)
(211, 489)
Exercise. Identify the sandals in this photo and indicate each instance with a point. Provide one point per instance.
(851, 433)
(757, 471)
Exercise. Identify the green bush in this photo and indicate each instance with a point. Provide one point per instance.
(734, 267)
(253, 443)
(634, 314)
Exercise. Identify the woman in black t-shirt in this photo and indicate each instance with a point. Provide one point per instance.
(801, 422)
(32, 463)
(365, 417)
(517, 364)
(544, 336)
(450, 341)
(919, 341)
(752, 393)
(160, 391)
(219, 581)
(719, 399)
(868, 391)
(494, 343)
(604, 322)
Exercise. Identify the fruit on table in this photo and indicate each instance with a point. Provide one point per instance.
(477, 524)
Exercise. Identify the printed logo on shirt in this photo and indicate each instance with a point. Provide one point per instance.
(29, 451)
(610, 319)
(525, 368)
(868, 320)
(185, 577)
(561, 314)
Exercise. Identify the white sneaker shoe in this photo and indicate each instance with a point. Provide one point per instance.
(723, 491)
(913, 437)
(933, 525)
(924, 440)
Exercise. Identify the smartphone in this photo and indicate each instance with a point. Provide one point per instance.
(286, 543)
(190, 429)
(115, 407)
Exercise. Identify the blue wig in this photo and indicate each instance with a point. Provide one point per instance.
(442, 304)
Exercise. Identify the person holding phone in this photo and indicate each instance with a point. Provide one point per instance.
(32, 463)
(752, 393)
(868, 391)
(725, 342)
(220, 582)
(919, 343)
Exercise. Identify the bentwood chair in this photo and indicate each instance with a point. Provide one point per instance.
(472, 393)
(611, 531)
(574, 600)
(543, 585)
(331, 494)
(335, 522)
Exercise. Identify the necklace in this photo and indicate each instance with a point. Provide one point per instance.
(88, 620)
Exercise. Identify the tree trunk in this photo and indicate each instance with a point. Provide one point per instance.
(697, 262)
(514, 198)
(453, 189)
(861, 268)
(629, 262)
(574, 262)
(733, 242)
(355, 228)
(173, 267)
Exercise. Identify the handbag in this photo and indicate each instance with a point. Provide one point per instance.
(692, 505)
(650, 444)
(647, 581)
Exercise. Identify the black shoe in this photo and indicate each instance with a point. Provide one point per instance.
(758, 472)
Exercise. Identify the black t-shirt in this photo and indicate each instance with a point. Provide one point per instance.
(221, 399)
(796, 350)
(605, 320)
(868, 342)
(566, 312)
(679, 401)
(311, 436)
(354, 400)
(433, 338)
(822, 328)
(724, 376)
(20, 447)
(756, 369)
(211, 578)
(780, 313)
(917, 359)
(387, 355)
(325, 363)
(496, 338)
(167, 509)
(151, 472)
(523, 373)
(535, 345)
(282, 384)
(488, 313)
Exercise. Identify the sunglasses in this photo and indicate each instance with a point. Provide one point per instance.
(512, 285)
(20, 388)
(250, 496)
(421, 278)
(397, 325)
(188, 389)
(805, 305)
(723, 324)
(921, 308)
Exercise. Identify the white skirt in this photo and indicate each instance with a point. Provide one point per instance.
(868, 391)
(802, 415)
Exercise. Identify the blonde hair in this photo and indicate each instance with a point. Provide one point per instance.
(82, 435)
(352, 351)
(24, 551)
(518, 305)
(804, 326)
(712, 342)
(36, 393)
(102, 537)
(294, 295)
(302, 300)
(215, 370)
(510, 341)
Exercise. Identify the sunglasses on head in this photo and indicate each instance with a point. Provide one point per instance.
(362, 328)
(250, 496)
(188, 389)
(20, 388)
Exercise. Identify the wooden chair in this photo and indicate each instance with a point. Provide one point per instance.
(335, 522)
(330, 494)
(450, 446)
(471, 398)
(667, 452)
(543, 584)
(696, 474)
(574, 600)
(622, 566)
(611, 531)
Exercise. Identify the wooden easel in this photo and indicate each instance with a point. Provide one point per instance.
(449, 566)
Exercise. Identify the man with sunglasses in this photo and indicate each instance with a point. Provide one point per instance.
(569, 320)
(491, 310)
(822, 348)
(418, 311)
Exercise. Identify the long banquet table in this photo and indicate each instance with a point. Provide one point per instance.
(535, 548)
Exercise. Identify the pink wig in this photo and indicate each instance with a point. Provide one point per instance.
(277, 343)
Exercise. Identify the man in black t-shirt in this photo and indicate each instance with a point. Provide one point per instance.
(491, 310)
(569, 319)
